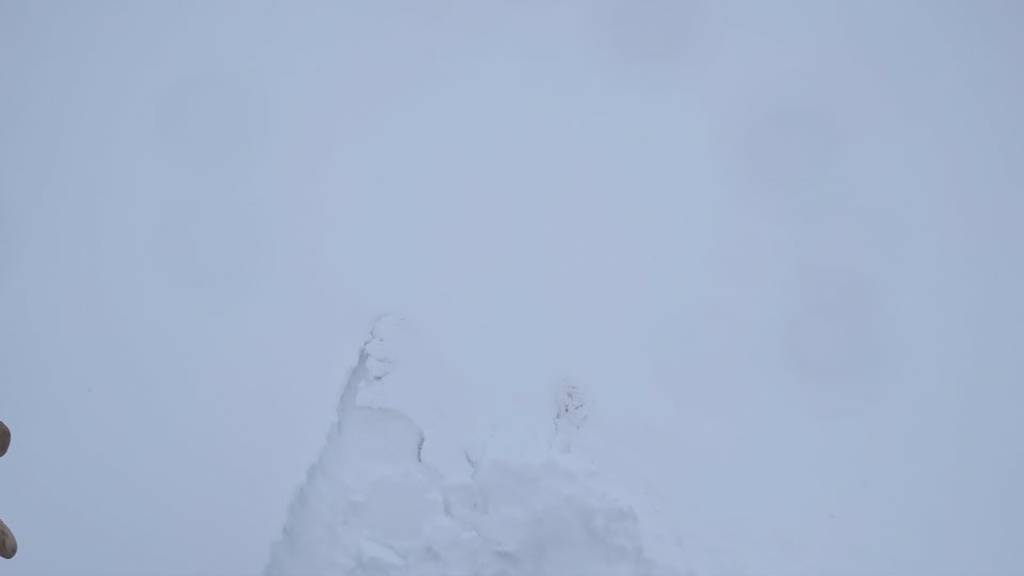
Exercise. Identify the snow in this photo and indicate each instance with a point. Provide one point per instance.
(775, 244)
(385, 499)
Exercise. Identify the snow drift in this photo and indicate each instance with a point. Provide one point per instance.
(387, 498)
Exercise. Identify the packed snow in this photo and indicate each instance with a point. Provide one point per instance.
(383, 499)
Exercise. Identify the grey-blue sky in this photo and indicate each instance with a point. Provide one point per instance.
(787, 229)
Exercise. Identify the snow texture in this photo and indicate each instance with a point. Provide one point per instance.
(387, 498)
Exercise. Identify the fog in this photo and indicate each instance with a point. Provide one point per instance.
(778, 241)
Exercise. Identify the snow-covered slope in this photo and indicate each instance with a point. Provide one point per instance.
(386, 496)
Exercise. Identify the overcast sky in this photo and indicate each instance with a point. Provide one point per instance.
(780, 240)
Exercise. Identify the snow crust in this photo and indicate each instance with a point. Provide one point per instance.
(388, 496)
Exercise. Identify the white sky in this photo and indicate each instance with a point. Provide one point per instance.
(781, 240)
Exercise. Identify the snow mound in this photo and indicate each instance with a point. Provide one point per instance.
(373, 506)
